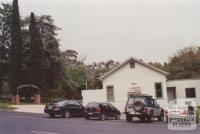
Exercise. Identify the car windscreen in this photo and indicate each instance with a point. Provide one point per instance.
(92, 105)
(62, 103)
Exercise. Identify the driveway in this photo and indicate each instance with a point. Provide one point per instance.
(29, 108)
(26, 123)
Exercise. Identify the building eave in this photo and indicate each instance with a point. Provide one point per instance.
(136, 60)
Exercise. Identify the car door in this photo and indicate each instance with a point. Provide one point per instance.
(71, 108)
(105, 109)
(151, 105)
(111, 110)
(156, 109)
(78, 109)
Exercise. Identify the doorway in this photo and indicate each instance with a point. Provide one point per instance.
(171, 93)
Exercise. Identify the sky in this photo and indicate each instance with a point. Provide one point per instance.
(152, 30)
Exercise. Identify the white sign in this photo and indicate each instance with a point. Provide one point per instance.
(135, 88)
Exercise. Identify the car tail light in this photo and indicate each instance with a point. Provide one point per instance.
(184, 112)
(98, 109)
(145, 110)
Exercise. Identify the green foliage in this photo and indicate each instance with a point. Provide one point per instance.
(53, 60)
(185, 64)
(95, 70)
(37, 56)
(47, 31)
(15, 75)
(6, 105)
(5, 41)
(77, 77)
(157, 64)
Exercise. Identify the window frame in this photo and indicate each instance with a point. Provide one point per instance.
(132, 64)
(190, 89)
(113, 95)
(162, 97)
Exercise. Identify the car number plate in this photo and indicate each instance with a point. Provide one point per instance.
(90, 113)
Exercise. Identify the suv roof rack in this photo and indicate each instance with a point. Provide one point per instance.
(142, 95)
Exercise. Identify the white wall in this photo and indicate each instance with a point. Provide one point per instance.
(142, 75)
(96, 95)
(182, 84)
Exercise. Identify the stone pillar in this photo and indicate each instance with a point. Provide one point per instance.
(17, 99)
(37, 99)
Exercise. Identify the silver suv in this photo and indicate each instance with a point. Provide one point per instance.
(143, 107)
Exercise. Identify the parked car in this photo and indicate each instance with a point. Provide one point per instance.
(101, 111)
(66, 108)
(143, 107)
(182, 111)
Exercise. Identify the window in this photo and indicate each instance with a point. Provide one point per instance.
(158, 88)
(132, 64)
(190, 92)
(77, 105)
(110, 93)
(150, 103)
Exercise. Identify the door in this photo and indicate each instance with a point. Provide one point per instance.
(156, 109)
(78, 109)
(152, 105)
(171, 93)
(71, 108)
(105, 109)
(111, 109)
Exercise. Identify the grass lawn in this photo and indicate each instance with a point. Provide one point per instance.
(5, 105)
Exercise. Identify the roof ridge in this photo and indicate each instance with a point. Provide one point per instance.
(136, 60)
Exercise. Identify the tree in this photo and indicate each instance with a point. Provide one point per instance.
(53, 60)
(37, 56)
(48, 32)
(16, 50)
(95, 70)
(5, 41)
(75, 74)
(185, 64)
(157, 65)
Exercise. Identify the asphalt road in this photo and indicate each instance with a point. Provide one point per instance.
(26, 123)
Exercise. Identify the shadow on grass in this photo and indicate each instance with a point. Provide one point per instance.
(6, 106)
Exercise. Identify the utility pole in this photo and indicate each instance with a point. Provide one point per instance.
(86, 85)
(1, 69)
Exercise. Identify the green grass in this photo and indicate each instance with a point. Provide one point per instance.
(5, 105)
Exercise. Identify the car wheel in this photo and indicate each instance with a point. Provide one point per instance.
(102, 117)
(128, 118)
(67, 114)
(166, 118)
(150, 118)
(117, 117)
(161, 117)
(142, 119)
(52, 115)
(87, 118)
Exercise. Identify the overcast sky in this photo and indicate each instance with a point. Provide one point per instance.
(151, 30)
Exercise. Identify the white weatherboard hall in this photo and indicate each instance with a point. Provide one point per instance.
(130, 77)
